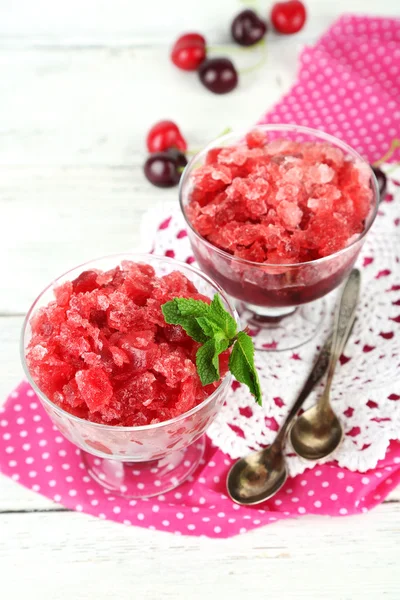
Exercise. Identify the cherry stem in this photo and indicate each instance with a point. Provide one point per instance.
(261, 44)
(225, 131)
(253, 4)
(393, 146)
(233, 49)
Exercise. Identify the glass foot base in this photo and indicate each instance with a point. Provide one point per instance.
(275, 330)
(145, 479)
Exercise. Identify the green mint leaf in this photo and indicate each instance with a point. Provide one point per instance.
(172, 316)
(209, 327)
(171, 313)
(207, 366)
(220, 315)
(241, 364)
(213, 326)
(221, 344)
(192, 308)
(207, 358)
(200, 320)
(193, 329)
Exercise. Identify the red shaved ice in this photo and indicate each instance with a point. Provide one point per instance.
(102, 350)
(280, 201)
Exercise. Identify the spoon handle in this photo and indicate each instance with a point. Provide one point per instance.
(350, 297)
(318, 371)
(344, 318)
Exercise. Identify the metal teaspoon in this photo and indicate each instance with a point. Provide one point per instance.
(260, 475)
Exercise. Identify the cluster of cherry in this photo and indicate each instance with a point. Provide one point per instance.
(219, 74)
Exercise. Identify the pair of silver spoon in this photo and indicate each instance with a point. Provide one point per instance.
(316, 433)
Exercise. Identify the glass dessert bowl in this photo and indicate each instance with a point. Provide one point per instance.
(277, 217)
(115, 379)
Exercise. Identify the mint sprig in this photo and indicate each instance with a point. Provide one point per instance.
(212, 326)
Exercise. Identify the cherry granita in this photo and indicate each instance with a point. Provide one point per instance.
(280, 201)
(102, 350)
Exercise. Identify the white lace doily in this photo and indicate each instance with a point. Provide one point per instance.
(366, 387)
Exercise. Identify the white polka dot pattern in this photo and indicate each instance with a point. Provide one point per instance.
(333, 97)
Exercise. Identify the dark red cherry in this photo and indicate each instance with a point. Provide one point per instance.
(381, 179)
(179, 157)
(218, 75)
(164, 169)
(247, 28)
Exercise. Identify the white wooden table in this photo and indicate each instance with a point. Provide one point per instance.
(80, 84)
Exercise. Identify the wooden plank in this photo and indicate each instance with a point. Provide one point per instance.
(122, 21)
(11, 370)
(74, 556)
(58, 218)
(16, 498)
(94, 106)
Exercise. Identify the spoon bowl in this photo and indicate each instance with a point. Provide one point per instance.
(257, 477)
(316, 434)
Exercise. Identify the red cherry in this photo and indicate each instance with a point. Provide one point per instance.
(247, 28)
(164, 135)
(218, 75)
(288, 17)
(189, 51)
(164, 169)
(381, 179)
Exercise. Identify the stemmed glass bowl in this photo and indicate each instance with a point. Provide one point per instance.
(280, 303)
(142, 461)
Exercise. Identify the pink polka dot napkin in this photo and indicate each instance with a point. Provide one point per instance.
(348, 85)
(34, 453)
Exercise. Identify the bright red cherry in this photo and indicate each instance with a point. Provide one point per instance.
(288, 17)
(164, 135)
(189, 51)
